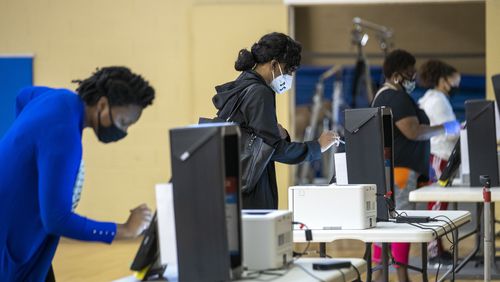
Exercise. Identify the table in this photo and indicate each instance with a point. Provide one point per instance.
(460, 193)
(296, 272)
(463, 194)
(389, 232)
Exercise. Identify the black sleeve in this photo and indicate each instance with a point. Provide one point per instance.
(400, 103)
(260, 115)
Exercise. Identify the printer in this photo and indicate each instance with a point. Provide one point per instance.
(267, 238)
(334, 207)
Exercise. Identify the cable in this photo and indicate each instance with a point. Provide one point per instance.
(308, 235)
(357, 272)
(449, 220)
(450, 223)
(455, 240)
(343, 275)
(299, 255)
(439, 226)
(453, 247)
(355, 268)
(312, 275)
(439, 266)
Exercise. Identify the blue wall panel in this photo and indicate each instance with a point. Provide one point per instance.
(15, 73)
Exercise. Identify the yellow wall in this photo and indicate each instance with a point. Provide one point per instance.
(218, 34)
(184, 48)
(492, 44)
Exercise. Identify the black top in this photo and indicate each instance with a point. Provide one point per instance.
(407, 153)
(258, 113)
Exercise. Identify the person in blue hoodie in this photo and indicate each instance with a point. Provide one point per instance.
(41, 168)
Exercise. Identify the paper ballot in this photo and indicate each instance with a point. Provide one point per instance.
(341, 168)
(166, 223)
(464, 150)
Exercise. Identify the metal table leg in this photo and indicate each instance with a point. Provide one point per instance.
(322, 250)
(424, 262)
(477, 240)
(385, 261)
(493, 231)
(455, 255)
(368, 258)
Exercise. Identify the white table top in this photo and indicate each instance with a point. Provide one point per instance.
(296, 273)
(458, 193)
(386, 232)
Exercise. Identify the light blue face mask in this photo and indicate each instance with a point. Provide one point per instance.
(282, 83)
(409, 85)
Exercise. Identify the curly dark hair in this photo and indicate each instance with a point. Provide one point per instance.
(397, 61)
(121, 86)
(272, 46)
(431, 71)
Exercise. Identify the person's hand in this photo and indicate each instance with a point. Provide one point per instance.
(138, 220)
(283, 132)
(452, 127)
(327, 139)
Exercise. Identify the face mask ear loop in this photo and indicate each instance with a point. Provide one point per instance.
(280, 69)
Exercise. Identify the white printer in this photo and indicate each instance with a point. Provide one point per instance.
(332, 207)
(267, 238)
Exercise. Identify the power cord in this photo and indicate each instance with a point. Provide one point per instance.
(309, 237)
(404, 218)
(454, 242)
(436, 236)
(358, 273)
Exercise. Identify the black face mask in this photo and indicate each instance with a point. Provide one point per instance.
(453, 91)
(111, 133)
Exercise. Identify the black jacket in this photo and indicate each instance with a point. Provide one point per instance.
(258, 112)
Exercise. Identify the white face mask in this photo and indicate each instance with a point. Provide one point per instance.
(282, 83)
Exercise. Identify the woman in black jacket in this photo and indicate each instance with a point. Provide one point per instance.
(267, 69)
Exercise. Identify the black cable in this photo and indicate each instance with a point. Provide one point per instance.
(308, 236)
(310, 274)
(446, 235)
(437, 237)
(446, 232)
(454, 246)
(439, 226)
(357, 272)
(449, 220)
(299, 255)
(439, 266)
(355, 268)
(454, 243)
(343, 275)
(452, 227)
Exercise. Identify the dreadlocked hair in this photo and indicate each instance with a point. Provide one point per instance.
(121, 86)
